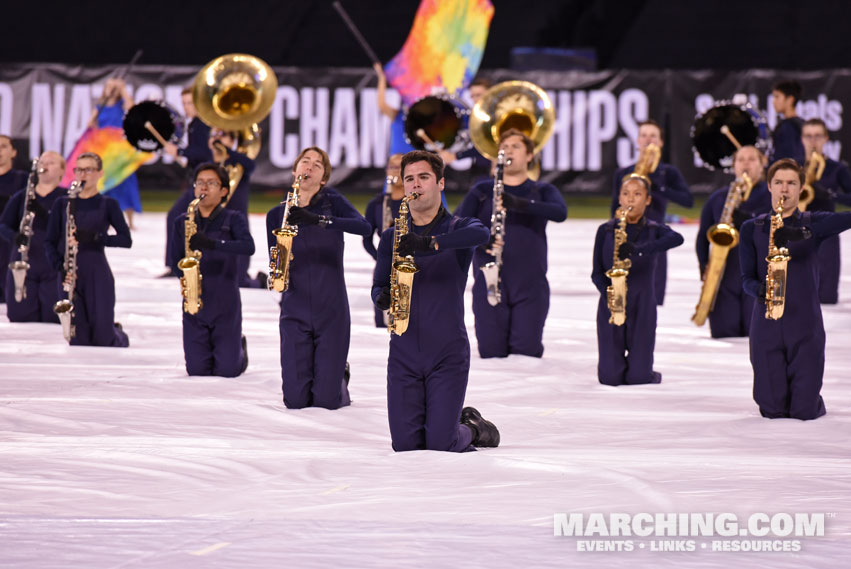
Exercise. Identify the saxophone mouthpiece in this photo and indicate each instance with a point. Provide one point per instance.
(414, 195)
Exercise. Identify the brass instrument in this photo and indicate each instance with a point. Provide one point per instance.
(64, 308)
(234, 92)
(401, 275)
(775, 277)
(190, 282)
(280, 254)
(491, 270)
(616, 292)
(20, 267)
(648, 161)
(722, 236)
(815, 169)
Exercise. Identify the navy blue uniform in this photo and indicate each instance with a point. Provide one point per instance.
(94, 295)
(667, 184)
(43, 282)
(834, 186)
(516, 324)
(315, 321)
(626, 351)
(788, 354)
(731, 316)
(10, 182)
(212, 338)
(428, 365)
(375, 217)
(787, 141)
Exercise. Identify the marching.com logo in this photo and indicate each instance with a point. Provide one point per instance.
(756, 532)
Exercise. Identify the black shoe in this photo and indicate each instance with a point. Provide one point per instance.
(245, 355)
(485, 433)
(262, 278)
(347, 373)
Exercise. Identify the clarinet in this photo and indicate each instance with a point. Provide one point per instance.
(491, 270)
(65, 308)
(19, 268)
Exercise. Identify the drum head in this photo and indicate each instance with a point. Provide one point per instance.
(164, 119)
(439, 117)
(713, 147)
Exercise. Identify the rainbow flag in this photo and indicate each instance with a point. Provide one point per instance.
(120, 158)
(443, 49)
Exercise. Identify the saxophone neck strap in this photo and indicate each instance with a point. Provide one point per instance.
(441, 213)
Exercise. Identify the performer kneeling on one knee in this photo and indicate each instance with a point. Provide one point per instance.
(94, 294)
(315, 321)
(429, 362)
(626, 350)
(787, 352)
(213, 343)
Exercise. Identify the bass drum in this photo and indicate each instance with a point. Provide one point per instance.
(441, 117)
(161, 115)
(746, 124)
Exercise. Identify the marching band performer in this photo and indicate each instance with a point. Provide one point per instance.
(731, 315)
(429, 363)
(626, 350)
(833, 186)
(315, 321)
(213, 343)
(11, 180)
(516, 324)
(42, 282)
(668, 184)
(94, 295)
(786, 137)
(787, 353)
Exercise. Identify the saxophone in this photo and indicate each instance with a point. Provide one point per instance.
(19, 268)
(723, 236)
(775, 277)
(64, 308)
(190, 282)
(280, 254)
(815, 169)
(491, 270)
(616, 292)
(648, 161)
(401, 275)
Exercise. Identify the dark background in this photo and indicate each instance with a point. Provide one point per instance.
(627, 34)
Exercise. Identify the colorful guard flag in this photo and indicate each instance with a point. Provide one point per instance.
(443, 49)
(120, 158)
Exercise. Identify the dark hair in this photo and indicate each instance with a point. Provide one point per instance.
(645, 181)
(91, 156)
(817, 122)
(789, 88)
(187, 90)
(326, 162)
(786, 164)
(9, 138)
(652, 122)
(482, 82)
(213, 167)
(435, 161)
(527, 142)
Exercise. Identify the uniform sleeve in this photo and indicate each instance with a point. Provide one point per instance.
(701, 244)
(751, 280)
(55, 231)
(273, 222)
(248, 165)
(241, 243)
(826, 224)
(116, 219)
(843, 180)
(469, 206)
(381, 275)
(672, 186)
(346, 218)
(468, 232)
(368, 244)
(178, 243)
(786, 141)
(666, 238)
(10, 220)
(551, 205)
(478, 160)
(598, 269)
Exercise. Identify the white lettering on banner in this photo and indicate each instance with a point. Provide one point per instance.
(47, 120)
(79, 115)
(283, 148)
(148, 92)
(828, 110)
(344, 128)
(556, 154)
(602, 126)
(6, 100)
(579, 113)
(374, 131)
(633, 108)
(313, 121)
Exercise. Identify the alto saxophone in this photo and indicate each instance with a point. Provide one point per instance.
(648, 161)
(280, 254)
(401, 275)
(723, 236)
(64, 308)
(20, 267)
(491, 270)
(616, 292)
(815, 169)
(775, 277)
(190, 282)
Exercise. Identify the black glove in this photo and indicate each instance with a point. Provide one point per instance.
(786, 234)
(627, 250)
(87, 236)
(300, 216)
(510, 201)
(739, 217)
(383, 300)
(411, 243)
(702, 271)
(21, 239)
(201, 241)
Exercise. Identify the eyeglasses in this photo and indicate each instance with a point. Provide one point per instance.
(212, 184)
(85, 170)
